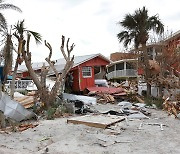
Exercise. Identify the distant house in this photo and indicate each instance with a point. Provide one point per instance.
(122, 69)
(85, 70)
(116, 56)
(83, 73)
(165, 48)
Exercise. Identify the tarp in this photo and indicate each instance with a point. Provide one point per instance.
(13, 109)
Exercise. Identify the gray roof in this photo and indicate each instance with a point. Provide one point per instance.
(81, 59)
(60, 63)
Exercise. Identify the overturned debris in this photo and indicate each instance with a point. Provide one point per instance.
(13, 109)
(106, 94)
(85, 99)
(26, 101)
(98, 121)
(23, 127)
(172, 107)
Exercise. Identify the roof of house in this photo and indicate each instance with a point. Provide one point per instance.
(81, 59)
(121, 61)
(60, 63)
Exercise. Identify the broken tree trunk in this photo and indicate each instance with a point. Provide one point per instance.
(146, 69)
(49, 97)
(13, 79)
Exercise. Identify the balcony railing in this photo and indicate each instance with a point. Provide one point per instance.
(19, 84)
(122, 73)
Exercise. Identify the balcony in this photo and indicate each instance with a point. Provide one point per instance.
(122, 74)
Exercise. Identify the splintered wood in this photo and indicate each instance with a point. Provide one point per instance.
(106, 98)
(26, 101)
(171, 107)
(98, 121)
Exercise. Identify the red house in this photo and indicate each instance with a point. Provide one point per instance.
(86, 69)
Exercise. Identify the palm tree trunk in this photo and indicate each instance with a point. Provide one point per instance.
(146, 69)
(13, 78)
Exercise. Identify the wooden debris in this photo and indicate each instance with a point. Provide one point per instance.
(106, 98)
(98, 121)
(139, 100)
(171, 107)
(23, 127)
(26, 101)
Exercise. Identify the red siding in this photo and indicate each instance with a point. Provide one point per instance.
(86, 82)
(25, 74)
(75, 80)
(97, 61)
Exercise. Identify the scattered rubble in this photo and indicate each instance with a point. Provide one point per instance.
(172, 107)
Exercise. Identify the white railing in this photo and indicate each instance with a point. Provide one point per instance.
(122, 73)
(19, 84)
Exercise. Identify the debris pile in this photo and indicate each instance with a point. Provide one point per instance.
(172, 107)
(106, 94)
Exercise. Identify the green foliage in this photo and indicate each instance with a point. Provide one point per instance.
(24, 92)
(20, 30)
(50, 113)
(153, 100)
(137, 26)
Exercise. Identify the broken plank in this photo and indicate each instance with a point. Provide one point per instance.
(98, 121)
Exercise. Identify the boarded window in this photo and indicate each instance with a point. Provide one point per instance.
(86, 72)
(120, 66)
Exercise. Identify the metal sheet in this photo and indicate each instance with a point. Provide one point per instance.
(87, 100)
(13, 109)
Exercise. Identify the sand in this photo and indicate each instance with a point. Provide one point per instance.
(58, 137)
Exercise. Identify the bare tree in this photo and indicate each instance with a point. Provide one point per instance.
(48, 97)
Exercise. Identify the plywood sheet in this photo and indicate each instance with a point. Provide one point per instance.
(26, 101)
(98, 121)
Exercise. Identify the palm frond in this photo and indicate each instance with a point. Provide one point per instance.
(19, 27)
(3, 24)
(37, 36)
(155, 24)
(10, 6)
(128, 22)
(138, 26)
(126, 42)
(123, 36)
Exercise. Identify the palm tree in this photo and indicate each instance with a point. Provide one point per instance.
(20, 33)
(6, 39)
(3, 6)
(137, 28)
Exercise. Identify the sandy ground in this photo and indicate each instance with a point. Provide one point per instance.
(123, 138)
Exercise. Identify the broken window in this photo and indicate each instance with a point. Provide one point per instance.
(120, 66)
(86, 71)
(97, 69)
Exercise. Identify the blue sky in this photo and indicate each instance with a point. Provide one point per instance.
(90, 24)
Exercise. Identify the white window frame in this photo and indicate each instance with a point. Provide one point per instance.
(87, 69)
